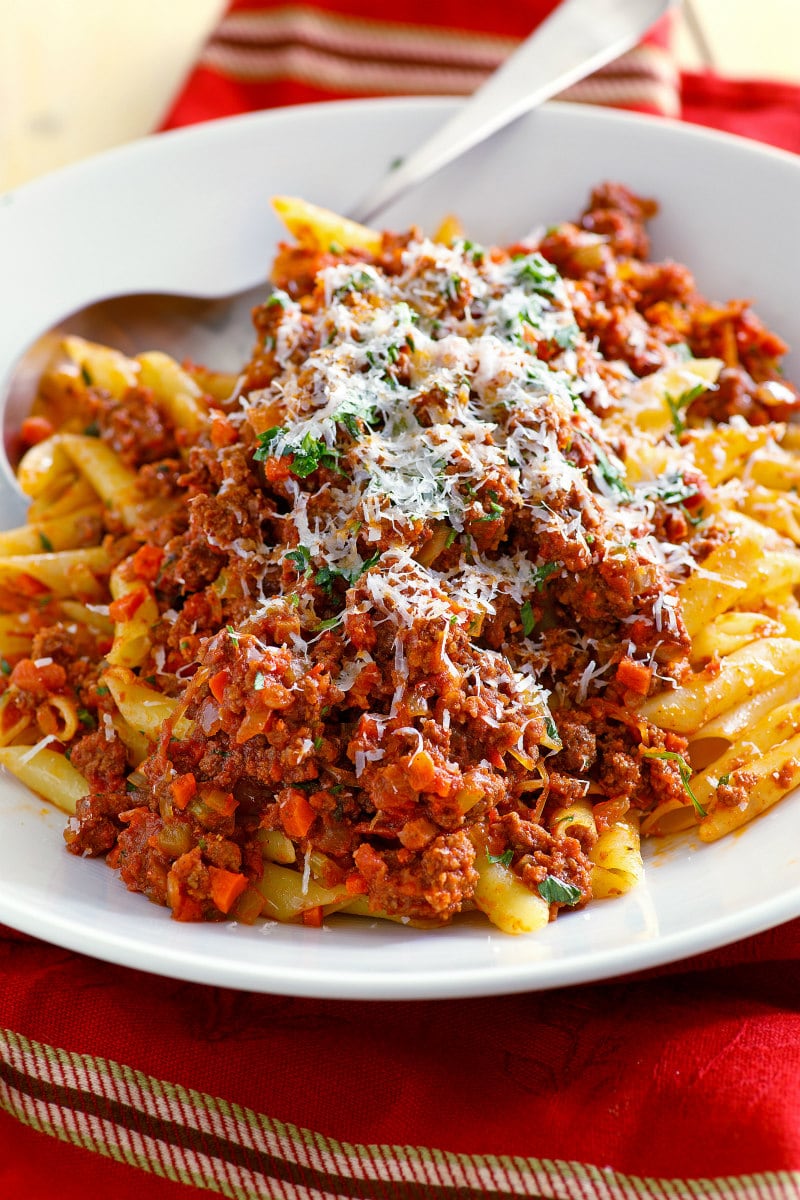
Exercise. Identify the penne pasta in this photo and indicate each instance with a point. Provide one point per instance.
(64, 573)
(286, 896)
(730, 632)
(114, 483)
(80, 528)
(617, 858)
(777, 726)
(508, 904)
(143, 707)
(321, 229)
(768, 778)
(742, 675)
(69, 495)
(46, 772)
(132, 630)
(45, 467)
(175, 389)
(103, 366)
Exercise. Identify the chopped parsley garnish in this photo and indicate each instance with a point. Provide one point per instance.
(494, 514)
(671, 489)
(452, 287)
(265, 441)
(86, 718)
(552, 731)
(357, 572)
(317, 743)
(503, 859)
(566, 337)
(610, 474)
(359, 281)
(451, 537)
(526, 317)
(232, 634)
(5, 666)
(86, 376)
(301, 558)
(685, 774)
(528, 619)
(329, 623)
(353, 413)
(307, 455)
(92, 430)
(474, 251)
(723, 781)
(555, 891)
(327, 576)
(311, 454)
(534, 271)
(678, 405)
(542, 573)
(102, 690)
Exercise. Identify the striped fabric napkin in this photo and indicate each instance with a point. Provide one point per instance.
(266, 55)
(677, 1084)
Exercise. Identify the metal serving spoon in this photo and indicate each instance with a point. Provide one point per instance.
(579, 37)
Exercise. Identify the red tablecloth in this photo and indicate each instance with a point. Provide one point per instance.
(679, 1083)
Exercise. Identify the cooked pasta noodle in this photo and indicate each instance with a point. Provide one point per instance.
(483, 568)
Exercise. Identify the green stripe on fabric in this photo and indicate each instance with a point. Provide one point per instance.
(210, 1143)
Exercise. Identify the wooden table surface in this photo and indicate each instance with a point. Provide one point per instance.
(78, 76)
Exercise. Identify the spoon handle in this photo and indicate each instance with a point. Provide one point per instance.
(577, 38)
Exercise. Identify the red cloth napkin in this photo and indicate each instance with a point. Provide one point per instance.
(676, 1083)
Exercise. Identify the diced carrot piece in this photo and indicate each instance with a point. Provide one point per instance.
(223, 432)
(124, 608)
(421, 771)
(27, 585)
(219, 801)
(26, 676)
(253, 722)
(355, 884)
(276, 470)
(147, 562)
(34, 430)
(49, 677)
(226, 887)
(187, 909)
(217, 683)
(634, 676)
(184, 907)
(313, 916)
(297, 815)
(183, 788)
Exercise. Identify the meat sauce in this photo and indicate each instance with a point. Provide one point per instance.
(407, 601)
